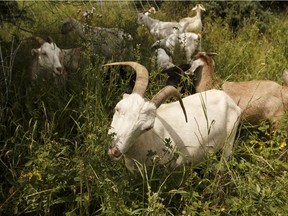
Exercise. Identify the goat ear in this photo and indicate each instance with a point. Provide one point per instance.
(149, 124)
(195, 64)
(155, 45)
(35, 52)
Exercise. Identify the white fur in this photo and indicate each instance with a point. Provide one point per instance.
(164, 61)
(187, 42)
(48, 57)
(159, 29)
(193, 24)
(138, 128)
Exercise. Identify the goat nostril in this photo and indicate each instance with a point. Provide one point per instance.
(114, 152)
(59, 69)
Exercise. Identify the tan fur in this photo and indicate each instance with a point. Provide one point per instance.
(259, 99)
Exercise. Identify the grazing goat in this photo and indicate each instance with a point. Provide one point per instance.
(159, 29)
(109, 42)
(186, 42)
(164, 61)
(144, 129)
(259, 99)
(49, 59)
(193, 24)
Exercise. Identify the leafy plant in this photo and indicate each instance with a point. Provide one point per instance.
(53, 155)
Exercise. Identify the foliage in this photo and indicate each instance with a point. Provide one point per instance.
(53, 142)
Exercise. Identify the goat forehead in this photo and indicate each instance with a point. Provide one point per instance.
(50, 47)
(131, 104)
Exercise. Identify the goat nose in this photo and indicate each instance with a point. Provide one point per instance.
(59, 69)
(114, 152)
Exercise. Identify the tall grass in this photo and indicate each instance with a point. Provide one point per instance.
(54, 140)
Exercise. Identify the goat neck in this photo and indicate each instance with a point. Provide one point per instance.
(147, 21)
(202, 67)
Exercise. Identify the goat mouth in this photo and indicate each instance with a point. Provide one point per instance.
(114, 153)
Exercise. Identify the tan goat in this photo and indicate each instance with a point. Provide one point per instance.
(259, 99)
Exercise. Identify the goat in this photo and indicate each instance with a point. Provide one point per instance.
(159, 29)
(140, 126)
(193, 24)
(164, 61)
(259, 99)
(187, 42)
(46, 59)
(106, 41)
(50, 59)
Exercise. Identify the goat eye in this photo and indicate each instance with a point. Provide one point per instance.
(44, 53)
(116, 109)
(149, 128)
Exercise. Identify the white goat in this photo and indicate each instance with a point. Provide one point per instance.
(140, 126)
(109, 42)
(259, 99)
(46, 59)
(193, 24)
(164, 61)
(49, 59)
(187, 42)
(159, 29)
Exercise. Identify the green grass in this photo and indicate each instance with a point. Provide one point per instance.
(54, 140)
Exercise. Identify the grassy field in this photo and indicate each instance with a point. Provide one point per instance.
(54, 141)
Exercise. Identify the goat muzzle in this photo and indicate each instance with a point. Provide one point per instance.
(114, 153)
(59, 70)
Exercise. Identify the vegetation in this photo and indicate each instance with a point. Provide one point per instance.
(53, 146)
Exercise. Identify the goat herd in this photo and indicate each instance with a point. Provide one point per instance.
(204, 122)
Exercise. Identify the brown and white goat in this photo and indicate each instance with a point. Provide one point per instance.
(259, 99)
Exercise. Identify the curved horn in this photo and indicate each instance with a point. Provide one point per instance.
(212, 53)
(142, 76)
(166, 93)
(40, 40)
(199, 54)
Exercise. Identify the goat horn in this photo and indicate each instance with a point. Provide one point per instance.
(207, 53)
(142, 76)
(212, 53)
(166, 93)
(39, 40)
